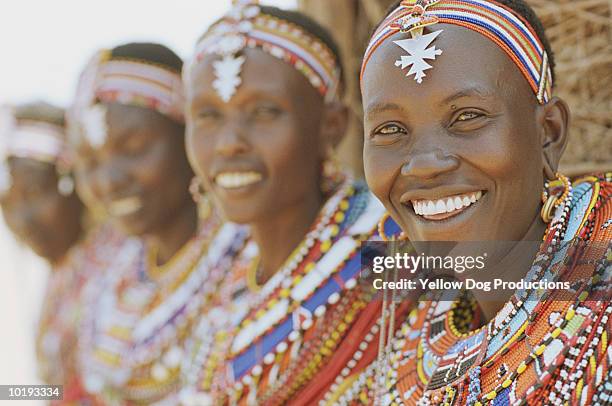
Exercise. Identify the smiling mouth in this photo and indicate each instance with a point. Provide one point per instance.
(125, 207)
(235, 180)
(445, 207)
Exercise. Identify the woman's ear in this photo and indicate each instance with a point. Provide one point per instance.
(554, 132)
(333, 125)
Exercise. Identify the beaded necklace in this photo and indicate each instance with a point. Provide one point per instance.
(287, 329)
(541, 348)
(132, 344)
(63, 308)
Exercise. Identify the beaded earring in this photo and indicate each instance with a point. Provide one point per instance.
(331, 173)
(65, 180)
(554, 193)
(200, 197)
(65, 184)
(389, 230)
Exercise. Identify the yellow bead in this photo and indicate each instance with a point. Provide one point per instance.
(325, 246)
(570, 314)
(339, 217)
(506, 383)
(583, 296)
(556, 332)
(284, 293)
(491, 395)
(521, 368)
(344, 205)
(540, 350)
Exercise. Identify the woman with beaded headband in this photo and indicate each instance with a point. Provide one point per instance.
(38, 199)
(40, 206)
(462, 134)
(263, 115)
(43, 212)
(128, 129)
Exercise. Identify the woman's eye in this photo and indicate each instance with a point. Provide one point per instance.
(391, 129)
(388, 134)
(208, 115)
(266, 112)
(467, 116)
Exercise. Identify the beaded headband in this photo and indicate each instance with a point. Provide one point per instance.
(499, 23)
(130, 82)
(32, 139)
(245, 26)
(36, 140)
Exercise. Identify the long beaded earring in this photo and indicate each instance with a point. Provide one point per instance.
(200, 197)
(65, 179)
(331, 173)
(554, 193)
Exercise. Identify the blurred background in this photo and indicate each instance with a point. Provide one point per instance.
(45, 44)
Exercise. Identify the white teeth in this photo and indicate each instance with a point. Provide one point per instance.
(232, 180)
(124, 207)
(431, 208)
(445, 205)
(450, 205)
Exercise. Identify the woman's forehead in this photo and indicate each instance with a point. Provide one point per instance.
(260, 73)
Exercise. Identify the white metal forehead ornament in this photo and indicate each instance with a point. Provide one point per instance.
(94, 125)
(418, 46)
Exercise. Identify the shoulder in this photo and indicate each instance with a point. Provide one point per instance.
(591, 207)
(364, 213)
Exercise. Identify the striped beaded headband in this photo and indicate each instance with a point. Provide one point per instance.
(510, 31)
(34, 139)
(245, 26)
(131, 82)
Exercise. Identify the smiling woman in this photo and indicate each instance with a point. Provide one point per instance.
(463, 138)
(263, 117)
(128, 131)
(40, 206)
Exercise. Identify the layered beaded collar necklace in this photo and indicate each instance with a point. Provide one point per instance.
(276, 318)
(132, 342)
(449, 363)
